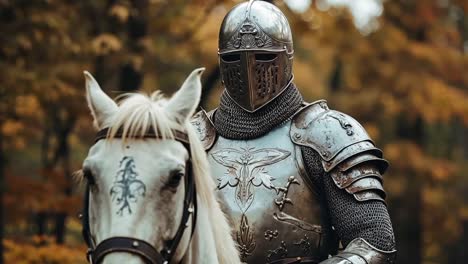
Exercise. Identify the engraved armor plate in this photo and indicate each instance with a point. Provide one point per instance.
(273, 210)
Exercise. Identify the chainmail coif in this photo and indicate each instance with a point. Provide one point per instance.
(351, 219)
(233, 122)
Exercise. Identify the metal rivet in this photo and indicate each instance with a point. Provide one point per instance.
(80, 216)
(297, 135)
(190, 209)
(135, 244)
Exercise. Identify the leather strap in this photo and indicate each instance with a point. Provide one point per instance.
(127, 244)
(178, 135)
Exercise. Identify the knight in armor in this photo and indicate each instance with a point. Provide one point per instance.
(300, 183)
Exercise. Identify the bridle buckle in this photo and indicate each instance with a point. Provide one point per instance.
(89, 256)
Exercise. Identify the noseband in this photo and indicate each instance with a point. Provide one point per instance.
(145, 250)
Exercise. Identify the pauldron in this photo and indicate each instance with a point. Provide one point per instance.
(205, 129)
(347, 152)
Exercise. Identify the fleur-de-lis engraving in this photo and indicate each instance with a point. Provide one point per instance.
(127, 188)
(245, 239)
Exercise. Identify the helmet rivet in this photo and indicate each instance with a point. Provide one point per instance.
(135, 244)
(297, 135)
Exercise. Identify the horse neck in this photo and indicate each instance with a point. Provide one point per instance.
(202, 248)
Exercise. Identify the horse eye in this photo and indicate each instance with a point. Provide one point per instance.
(88, 175)
(174, 178)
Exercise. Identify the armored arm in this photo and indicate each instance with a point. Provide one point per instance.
(351, 183)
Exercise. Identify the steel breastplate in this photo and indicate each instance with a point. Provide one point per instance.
(270, 203)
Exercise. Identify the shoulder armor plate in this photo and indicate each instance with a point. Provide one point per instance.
(334, 135)
(205, 128)
(364, 182)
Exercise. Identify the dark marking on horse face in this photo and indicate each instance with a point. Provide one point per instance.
(126, 188)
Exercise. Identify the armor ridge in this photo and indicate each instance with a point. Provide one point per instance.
(334, 135)
(347, 152)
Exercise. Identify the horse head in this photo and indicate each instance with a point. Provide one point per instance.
(141, 173)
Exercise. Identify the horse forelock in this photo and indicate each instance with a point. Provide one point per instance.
(139, 112)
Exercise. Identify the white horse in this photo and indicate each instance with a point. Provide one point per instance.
(136, 183)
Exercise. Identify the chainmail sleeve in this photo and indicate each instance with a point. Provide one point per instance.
(350, 218)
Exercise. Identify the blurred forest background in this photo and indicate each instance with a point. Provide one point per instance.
(403, 74)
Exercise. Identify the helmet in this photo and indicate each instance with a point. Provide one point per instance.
(255, 54)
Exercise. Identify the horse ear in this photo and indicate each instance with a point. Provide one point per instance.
(102, 106)
(186, 99)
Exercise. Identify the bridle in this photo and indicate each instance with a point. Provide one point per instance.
(145, 250)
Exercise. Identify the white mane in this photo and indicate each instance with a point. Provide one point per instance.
(138, 113)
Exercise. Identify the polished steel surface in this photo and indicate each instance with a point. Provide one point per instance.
(204, 128)
(256, 53)
(271, 207)
(260, 19)
(334, 135)
(359, 251)
(343, 179)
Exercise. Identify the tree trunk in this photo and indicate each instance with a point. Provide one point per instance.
(209, 85)
(408, 222)
(64, 150)
(408, 225)
(2, 191)
(41, 225)
(60, 224)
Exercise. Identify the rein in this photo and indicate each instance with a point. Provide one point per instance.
(145, 250)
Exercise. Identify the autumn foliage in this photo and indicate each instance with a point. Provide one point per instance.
(406, 80)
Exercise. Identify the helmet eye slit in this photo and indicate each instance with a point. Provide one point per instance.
(230, 57)
(265, 56)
